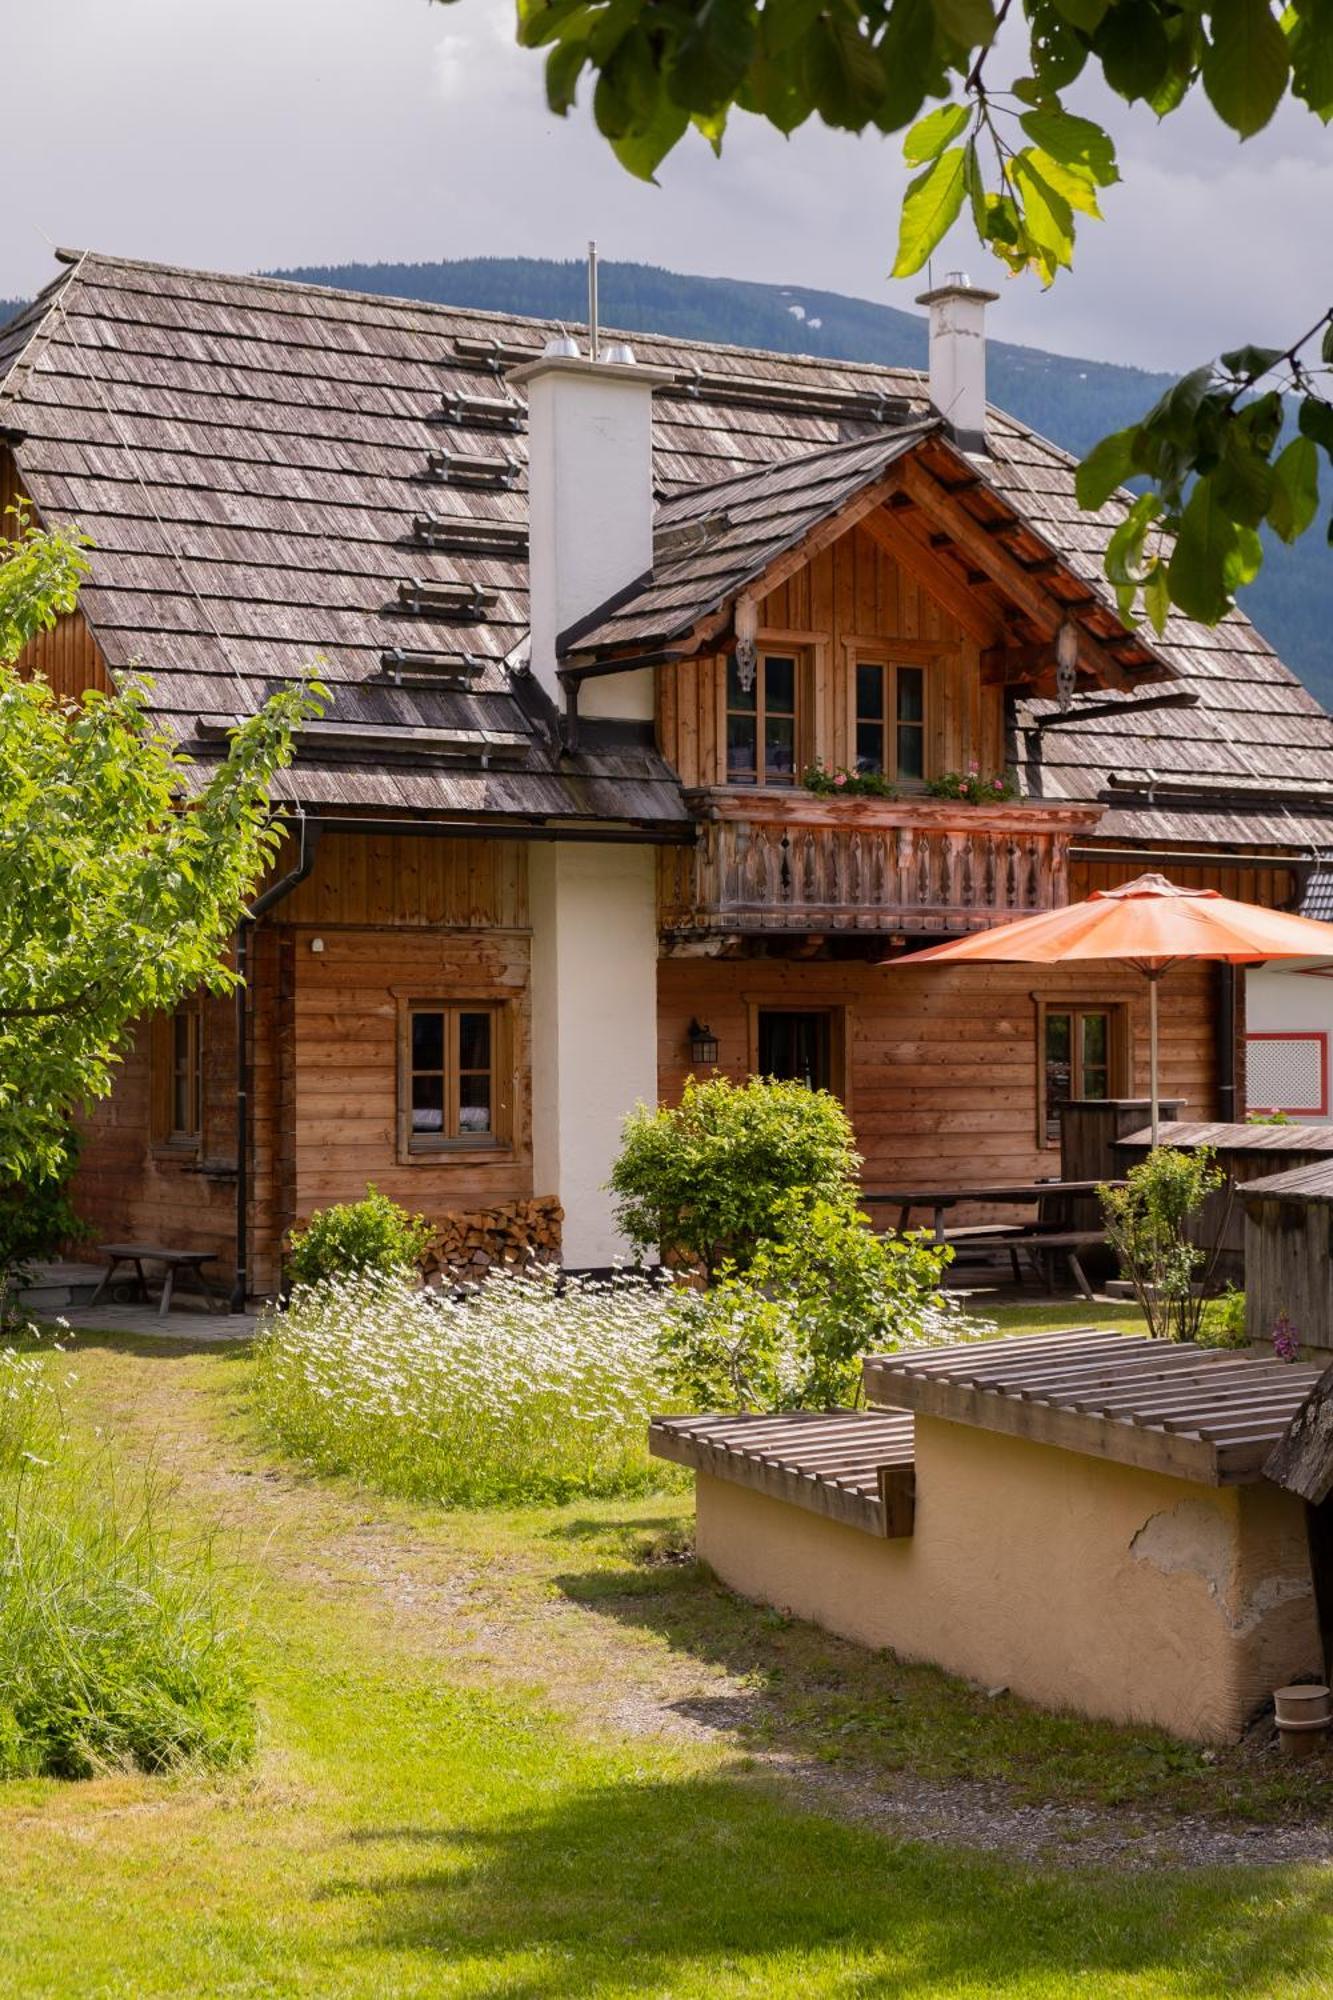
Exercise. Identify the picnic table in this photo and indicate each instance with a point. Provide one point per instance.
(1042, 1241)
(1009, 1194)
(155, 1253)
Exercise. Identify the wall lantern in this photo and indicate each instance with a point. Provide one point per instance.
(703, 1047)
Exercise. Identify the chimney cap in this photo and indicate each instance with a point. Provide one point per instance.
(957, 285)
(563, 344)
(620, 354)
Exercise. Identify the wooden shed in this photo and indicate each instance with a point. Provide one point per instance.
(1080, 1517)
(1245, 1153)
(1288, 1223)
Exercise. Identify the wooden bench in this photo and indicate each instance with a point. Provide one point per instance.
(853, 1466)
(156, 1253)
(1040, 1243)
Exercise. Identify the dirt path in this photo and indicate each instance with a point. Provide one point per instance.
(495, 1604)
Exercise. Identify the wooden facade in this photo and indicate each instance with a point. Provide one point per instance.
(68, 656)
(940, 1067)
(852, 601)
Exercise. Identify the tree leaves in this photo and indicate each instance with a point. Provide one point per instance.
(114, 898)
(1075, 142)
(1245, 64)
(1310, 40)
(1295, 500)
(1105, 469)
(930, 208)
(931, 134)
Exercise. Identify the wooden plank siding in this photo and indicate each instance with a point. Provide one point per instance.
(68, 656)
(397, 918)
(940, 1068)
(852, 594)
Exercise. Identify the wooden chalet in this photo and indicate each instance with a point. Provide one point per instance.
(588, 623)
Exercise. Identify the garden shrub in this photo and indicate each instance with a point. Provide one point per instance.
(371, 1235)
(1223, 1321)
(708, 1179)
(1149, 1222)
(528, 1387)
(114, 1649)
(37, 1219)
(790, 1332)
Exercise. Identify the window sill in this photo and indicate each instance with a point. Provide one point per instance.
(454, 1156)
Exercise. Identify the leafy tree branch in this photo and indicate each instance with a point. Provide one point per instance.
(1230, 450)
(123, 865)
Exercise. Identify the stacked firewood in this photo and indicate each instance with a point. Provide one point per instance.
(507, 1237)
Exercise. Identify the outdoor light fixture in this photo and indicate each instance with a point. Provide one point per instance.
(703, 1047)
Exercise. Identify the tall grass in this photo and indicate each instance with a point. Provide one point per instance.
(115, 1647)
(527, 1389)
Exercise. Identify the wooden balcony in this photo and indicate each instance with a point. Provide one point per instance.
(768, 860)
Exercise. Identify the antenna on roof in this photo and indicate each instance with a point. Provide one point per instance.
(594, 330)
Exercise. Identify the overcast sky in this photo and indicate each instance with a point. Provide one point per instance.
(278, 132)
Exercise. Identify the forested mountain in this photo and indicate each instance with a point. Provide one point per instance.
(1072, 401)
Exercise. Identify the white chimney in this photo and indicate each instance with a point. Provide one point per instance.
(590, 503)
(958, 356)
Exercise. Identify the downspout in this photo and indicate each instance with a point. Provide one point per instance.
(1226, 1044)
(310, 831)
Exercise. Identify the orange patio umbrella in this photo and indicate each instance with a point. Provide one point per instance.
(1150, 924)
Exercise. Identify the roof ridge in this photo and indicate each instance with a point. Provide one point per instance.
(103, 259)
(890, 434)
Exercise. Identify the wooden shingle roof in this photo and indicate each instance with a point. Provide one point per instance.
(712, 541)
(250, 457)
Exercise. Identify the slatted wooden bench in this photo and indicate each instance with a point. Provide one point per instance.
(1196, 1412)
(855, 1466)
(171, 1260)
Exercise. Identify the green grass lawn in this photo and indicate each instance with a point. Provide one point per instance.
(469, 1783)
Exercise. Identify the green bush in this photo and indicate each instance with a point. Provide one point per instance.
(1150, 1223)
(373, 1235)
(114, 1651)
(791, 1331)
(37, 1219)
(707, 1180)
(1223, 1322)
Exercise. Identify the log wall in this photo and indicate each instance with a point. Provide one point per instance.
(852, 592)
(940, 1071)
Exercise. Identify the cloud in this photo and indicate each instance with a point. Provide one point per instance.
(317, 131)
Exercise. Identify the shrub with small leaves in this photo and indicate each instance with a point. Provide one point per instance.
(790, 1332)
(706, 1180)
(1153, 1223)
(373, 1235)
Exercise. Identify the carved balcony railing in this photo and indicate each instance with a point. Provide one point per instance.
(790, 861)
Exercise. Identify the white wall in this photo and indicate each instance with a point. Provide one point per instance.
(594, 1026)
(1281, 1003)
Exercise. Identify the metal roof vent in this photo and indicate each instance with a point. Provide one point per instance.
(620, 354)
(561, 346)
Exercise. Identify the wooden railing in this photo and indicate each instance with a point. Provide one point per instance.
(767, 861)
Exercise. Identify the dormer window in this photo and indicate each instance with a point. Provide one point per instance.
(763, 721)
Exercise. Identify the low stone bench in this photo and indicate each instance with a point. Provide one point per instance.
(854, 1466)
(172, 1261)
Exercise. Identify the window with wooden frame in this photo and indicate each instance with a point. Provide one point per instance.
(764, 721)
(176, 1077)
(891, 720)
(454, 1088)
(1083, 1052)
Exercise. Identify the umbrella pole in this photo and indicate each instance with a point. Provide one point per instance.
(1153, 978)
